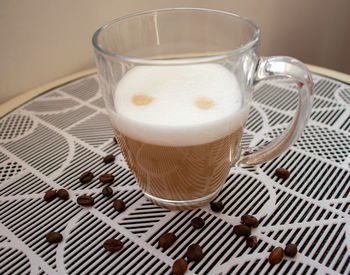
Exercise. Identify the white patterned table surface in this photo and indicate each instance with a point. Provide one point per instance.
(49, 141)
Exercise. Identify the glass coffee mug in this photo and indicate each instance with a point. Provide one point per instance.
(177, 84)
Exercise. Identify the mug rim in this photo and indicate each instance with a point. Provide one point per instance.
(183, 60)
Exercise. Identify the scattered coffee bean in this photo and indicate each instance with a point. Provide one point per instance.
(197, 222)
(250, 220)
(251, 241)
(276, 255)
(108, 159)
(85, 200)
(63, 194)
(179, 267)
(282, 173)
(54, 237)
(86, 177)
(115, 139)
(50, 195)
(113, 245)
(107, 191)
(107, 178)
(167, 240)
(119, 205)
(291, 250)
(242, 230)
(194, 253)
(248, 152)
(217, 206)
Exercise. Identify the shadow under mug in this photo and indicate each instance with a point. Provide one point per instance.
(177, 84)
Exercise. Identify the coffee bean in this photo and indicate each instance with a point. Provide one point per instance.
(250, 220)
(54, 237)
(86, 177)
(197, 222)
(217, 206)
(85, 200)
(179, 267)
(276, 255)
(113, 245)
(107, 191)
(242, 230)
(63, 194)
(251, 241)
(108, 159)
(107, 178)
(291, 250)
(50, 195)
(115, 139)
(194, 253)
(282, 173)
(119, 205)
(167, 240)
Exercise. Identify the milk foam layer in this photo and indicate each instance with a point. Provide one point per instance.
(171, 115)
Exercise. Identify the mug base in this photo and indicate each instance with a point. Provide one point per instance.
(181, 204)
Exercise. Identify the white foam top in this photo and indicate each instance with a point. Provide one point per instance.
(178, 105)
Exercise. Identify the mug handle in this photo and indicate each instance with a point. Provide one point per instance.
(278, 66)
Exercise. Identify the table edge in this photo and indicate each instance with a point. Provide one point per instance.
(330, 73)
(15, 102)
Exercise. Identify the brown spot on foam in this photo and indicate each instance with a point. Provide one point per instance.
(142, 99)
(204, 103)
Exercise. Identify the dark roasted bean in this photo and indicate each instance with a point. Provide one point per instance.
(250, 220)
(242, 230)
(107, 191)
(113, 245)
(63, 194)
(217, 206)
(50, 195)
(282, 173)
(179, 267)
(291, 250)
(251, 241)
(167, 240)
(108, 159)
(85, 200)
(276, 255)
(107, 178)
(119, 205)
(194, 253)
(54, 237)
(197, 222)
(86, 177)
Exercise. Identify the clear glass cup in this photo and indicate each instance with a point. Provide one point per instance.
(177, 84)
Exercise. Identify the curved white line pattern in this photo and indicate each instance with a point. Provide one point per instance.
(48, 145)
(23, 123)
